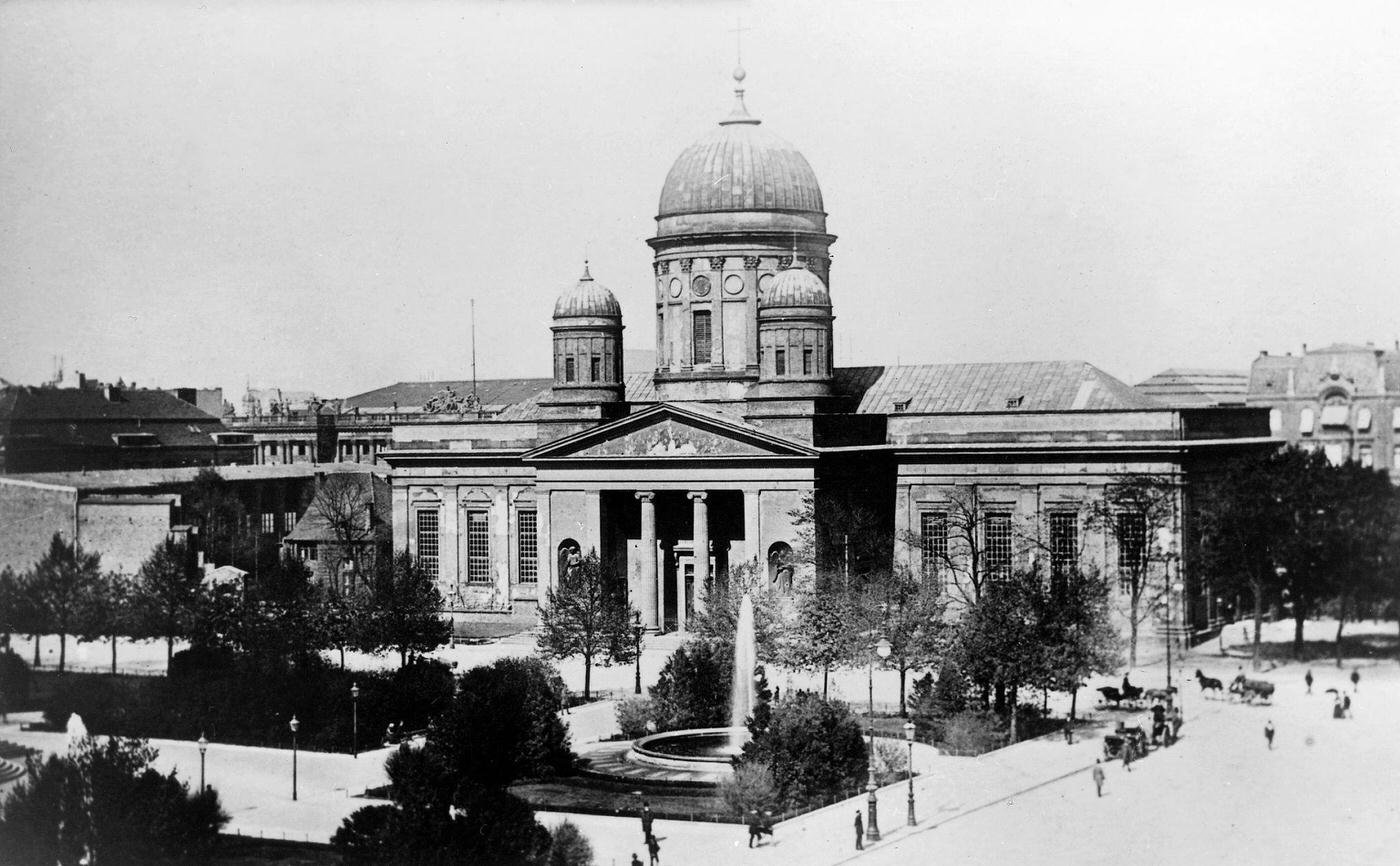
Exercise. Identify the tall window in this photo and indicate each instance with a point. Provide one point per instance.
(269, 523)
(780, 362)
(997, 544)
(806, 362)
(1131, 531)
(933, 543)
(700, 336)
(478, 546)
(570, 370)
(527, 546)
(427, 531)
(1064, 546)
(595, 369)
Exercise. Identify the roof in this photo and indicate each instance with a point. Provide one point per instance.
(91, 404)
(1028, 386)
(1195, 387)
(795, 287)
(364, 487)
(587, 297)
(147, 479)
(495, 394)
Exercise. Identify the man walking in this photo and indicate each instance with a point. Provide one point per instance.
(646, 821)
(1307, 678)
(1098, 775)
(654, 850)
(1356, 679)
(860, 832)
(1269, 732)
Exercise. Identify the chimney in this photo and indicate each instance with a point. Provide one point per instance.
(1263, 353)
(82, 381)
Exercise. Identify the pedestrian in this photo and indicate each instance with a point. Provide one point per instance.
(860, 832)
(635, 860)
(1069, 732)
(755, 827)
(1269, 732)
(654, 850)
(1128, 753)
(1337, 712)
(1177, 721)
(1307, 678)
(1356, 679)
(647, 818)
(1097, 773)
(1346, 706)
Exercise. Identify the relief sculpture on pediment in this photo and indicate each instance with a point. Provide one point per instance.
(671, 438)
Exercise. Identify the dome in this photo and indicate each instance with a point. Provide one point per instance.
(740, 168)
(795, 287)
(588, 297)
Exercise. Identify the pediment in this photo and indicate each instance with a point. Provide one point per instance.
(666, 431)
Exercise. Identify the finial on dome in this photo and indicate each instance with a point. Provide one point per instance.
(586, 274)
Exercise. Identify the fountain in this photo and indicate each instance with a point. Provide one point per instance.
(705, 754)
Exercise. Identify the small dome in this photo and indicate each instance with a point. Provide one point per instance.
(588, 297)
(795, 287)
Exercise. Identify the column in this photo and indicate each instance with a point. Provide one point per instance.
(649, 600)
(701, 536)
(752, 545)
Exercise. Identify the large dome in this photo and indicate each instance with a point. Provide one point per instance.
(751, 177)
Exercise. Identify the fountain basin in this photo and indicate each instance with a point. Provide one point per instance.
(703, 751)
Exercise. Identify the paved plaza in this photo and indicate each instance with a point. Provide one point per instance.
(1329, 790)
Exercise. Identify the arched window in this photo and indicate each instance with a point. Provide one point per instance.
(569, 556)
(780, 568)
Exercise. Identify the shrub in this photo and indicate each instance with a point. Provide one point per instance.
(14, 682)
(750, 787)
(693, 688)
(974, 732)
(814, 748)
(569, 847)
(632, 716)
(134, 815)
(891, 761)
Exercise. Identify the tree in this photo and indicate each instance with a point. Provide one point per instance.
(168, 592)
(720, 616)
(504, 724)
(105, 798)
(1363, 517)
(1077, 633)
(824, 632)
(812, 747)
(63, 579)
(20, 610)
(209, 502)
(1130, 513)
(693, 688)
(569, 847)
(107, 611)
(587, 615)
(999, 638)
(405, 610)
(344, 504)
(909, 613)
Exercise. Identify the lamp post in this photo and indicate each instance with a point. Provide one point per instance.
(294, 724)
(1167, 544)
(909, 735)
(637, 645)
(203, 745)
(354, 720)
(872, 826)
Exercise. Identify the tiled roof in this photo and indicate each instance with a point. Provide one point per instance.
(495, 394)
(640, 388)
(1188, 387)
(88, 404)
(1031, 386)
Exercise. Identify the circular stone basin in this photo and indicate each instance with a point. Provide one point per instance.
(704, 750)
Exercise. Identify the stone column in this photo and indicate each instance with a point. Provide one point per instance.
(701, 536)
(650, 599)
(752, 546)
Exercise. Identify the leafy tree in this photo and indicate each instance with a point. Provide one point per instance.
(14, 683)
(404, 610)
(750, 787)
(168, 594)
(504, 724)
(107, 611)
(209, 502)
(1130, 513)
(720, 616)
(999, 639)
(824, 631)
(20, 609)
(693, 689)
(1078, 636)
(587, 615)
(569, 847)
(1363, 517)
(281, 614)
(907, 612)
(105, 797)
(813, 747)
(63, 579)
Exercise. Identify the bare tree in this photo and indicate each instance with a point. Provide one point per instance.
(344, 504)
(1131, 513)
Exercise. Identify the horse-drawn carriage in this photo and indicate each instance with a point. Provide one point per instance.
(1133, 739)
(1249, 690)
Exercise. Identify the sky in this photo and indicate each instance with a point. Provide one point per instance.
(311, 195)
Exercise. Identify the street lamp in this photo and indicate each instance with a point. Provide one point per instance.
(1167, 544)
(637, 644)
(882, 649)
(294, 724)
(203, 745)
(354, 720)
(872, 826)
(909, 735)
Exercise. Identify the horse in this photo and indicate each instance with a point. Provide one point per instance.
(1110, 693)
(1248, 690)
(1130, 691)
(1209, 683)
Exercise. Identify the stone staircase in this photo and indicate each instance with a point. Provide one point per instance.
(12, 758)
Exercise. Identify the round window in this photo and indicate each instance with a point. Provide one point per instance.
(675, 287)
(700, 286)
